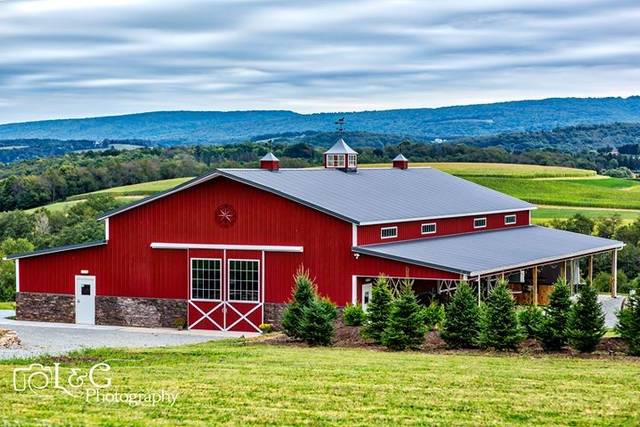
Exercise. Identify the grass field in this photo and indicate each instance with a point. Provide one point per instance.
(231, 382)
(7, 305)
(498, 169)
(546, 213)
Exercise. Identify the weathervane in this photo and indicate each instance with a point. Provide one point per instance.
(340, 126)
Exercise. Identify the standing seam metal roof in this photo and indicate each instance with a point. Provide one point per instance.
(487, 252)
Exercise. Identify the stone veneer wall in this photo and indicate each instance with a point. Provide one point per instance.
(273, 314)
(146, 312)
(45, 307)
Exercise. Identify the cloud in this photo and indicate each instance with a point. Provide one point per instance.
(63, 58)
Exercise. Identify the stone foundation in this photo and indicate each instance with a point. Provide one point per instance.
(45, 307)
(273, 314)
(145, 312)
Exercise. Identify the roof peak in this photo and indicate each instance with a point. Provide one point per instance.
(269, 157)
(400, 158)
(340, 147)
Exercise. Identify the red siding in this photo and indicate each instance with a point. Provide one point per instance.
(127, 266)
(370, 234)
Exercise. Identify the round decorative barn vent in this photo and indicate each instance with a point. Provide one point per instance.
(225, 215)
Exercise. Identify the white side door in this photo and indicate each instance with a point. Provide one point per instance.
(366, 295)
(86, 300)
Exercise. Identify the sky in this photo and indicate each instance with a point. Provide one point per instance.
(70, 58)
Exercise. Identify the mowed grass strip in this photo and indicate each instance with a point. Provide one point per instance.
(247, 383)
(547, 213)
(570, 192)
(497, 169)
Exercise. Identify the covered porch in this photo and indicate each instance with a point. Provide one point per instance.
(530, 258)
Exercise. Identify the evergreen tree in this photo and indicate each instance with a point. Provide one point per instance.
(500, 328)
(405, 326)
(586, 321)
(378, 310)
(302, 296)
(317, 325)
(553, 333)
(629, 323)
(530, 320)
(462, 319)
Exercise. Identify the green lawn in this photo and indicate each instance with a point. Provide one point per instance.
(7, 305)
(232, 382)
(547, 213)
(143, 189)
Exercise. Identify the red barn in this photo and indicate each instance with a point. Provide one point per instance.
(220, 251)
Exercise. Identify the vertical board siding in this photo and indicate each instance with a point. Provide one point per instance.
(370, 234)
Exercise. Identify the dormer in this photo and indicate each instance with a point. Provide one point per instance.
(341, 156)
(401, 162)
(270, 162)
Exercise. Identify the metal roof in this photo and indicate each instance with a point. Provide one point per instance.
(57, 249)
(488, 252)
(269, 157)
(368, 196)
(400, 158)
(340, 147)
(381, 195)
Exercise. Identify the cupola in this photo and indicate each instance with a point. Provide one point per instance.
(401, 162)
(270, 162)
(341, 156)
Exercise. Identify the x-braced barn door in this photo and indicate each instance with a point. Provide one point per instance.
(226, 294)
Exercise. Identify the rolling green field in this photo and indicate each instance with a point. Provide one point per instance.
(546, 213)
(562, 190)
(241, 383)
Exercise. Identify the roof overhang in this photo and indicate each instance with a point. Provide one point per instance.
(56, 250)
(489, 252)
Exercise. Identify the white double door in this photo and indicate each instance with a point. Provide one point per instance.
(86, 300)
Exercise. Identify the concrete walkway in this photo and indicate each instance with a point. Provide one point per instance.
(58, 338)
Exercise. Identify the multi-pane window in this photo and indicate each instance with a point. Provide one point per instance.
(353, 159)
(428, 228)
(244, 282)
(509, 219)
(388, 232)
(479, 222)
(335, 160)
(205, 279)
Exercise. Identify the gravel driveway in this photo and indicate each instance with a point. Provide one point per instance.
(55, 338)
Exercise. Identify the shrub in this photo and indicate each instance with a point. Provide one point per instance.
(405, 327)
(602, 282)
(180, 323)
(628, 326)
(378, 310)
(530, 320)
(317, 325)
(353, 315)
(461, 326)
(303, 294)
(499, 326)
(266, 328)
(586, 321)
(553, 333)
(433, 315)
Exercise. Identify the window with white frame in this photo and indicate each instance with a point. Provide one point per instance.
(335, 160)
(510, 219)
(244, 280)
(353, 160)
(205, 278)
(388, 232)
(429, 228)
(479, 222)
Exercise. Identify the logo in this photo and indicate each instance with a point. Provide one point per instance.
(93, 385)
(225, 215)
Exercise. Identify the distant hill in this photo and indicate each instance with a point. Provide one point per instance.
(178, 127)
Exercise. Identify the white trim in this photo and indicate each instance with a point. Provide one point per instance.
(515, 219)
(354, 290)
(265, 248)
(262, 275)
(458, 215)
(17, 275)
(106, 229)
(354, 235)
(475, 227)
(191, 279)
(382, 230)
(229, 285)
(435, 228)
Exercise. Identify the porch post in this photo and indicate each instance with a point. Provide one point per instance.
(614, 274)
(563, 270)
(590, 269)
(479, 297)
(535, 286)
